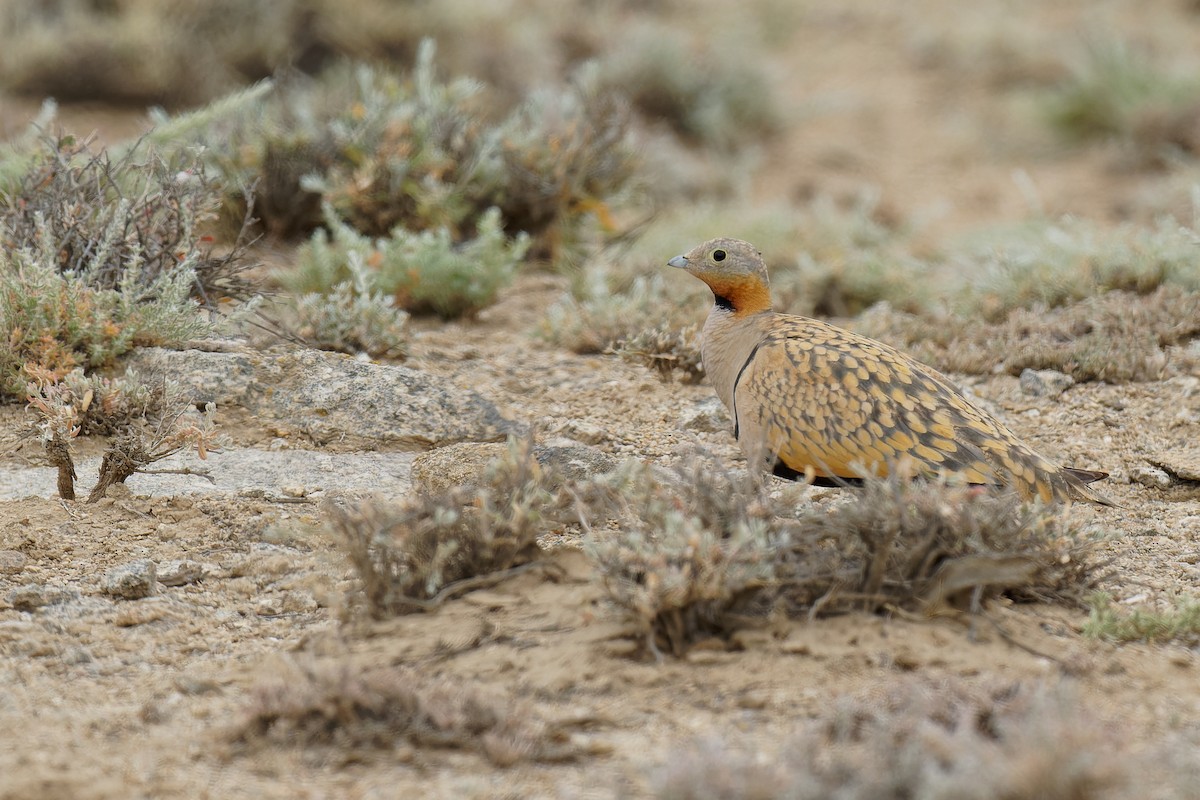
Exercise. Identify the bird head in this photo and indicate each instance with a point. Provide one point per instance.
(735, 272)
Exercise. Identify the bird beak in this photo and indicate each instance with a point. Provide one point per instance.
(678, 261)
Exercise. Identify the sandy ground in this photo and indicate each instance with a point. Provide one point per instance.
(105, 698)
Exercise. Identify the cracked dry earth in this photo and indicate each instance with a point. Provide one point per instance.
(104, 697)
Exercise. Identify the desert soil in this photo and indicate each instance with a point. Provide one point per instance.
(103, 698)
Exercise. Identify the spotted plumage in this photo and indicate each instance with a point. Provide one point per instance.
(812, 401)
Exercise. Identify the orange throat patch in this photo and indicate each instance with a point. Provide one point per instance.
(746, 295)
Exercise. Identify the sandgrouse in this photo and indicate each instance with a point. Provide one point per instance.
(814, 402)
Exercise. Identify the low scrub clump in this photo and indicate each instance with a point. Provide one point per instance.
(344, 705)
(1053, 263)
(667, 351)
(148, 422)
(689, 560)
(924, 738)
(390, 151)
(1177, 620)
(698, 554)
(413, 556)
(606, 311)
(1115, 92)
(352, 318)
(846, 260)
(423, 273)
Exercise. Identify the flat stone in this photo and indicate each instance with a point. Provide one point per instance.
(332, 396)
(1183, 466)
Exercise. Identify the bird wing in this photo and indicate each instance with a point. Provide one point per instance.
(831, 403)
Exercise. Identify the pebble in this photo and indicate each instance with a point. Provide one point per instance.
(1045, 382)
(131, 581)
(180, 572)
(707, 416)
(12, 561)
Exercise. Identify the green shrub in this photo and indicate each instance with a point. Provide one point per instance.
(352, 317)
(425, 273)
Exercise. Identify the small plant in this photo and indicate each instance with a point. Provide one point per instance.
(348, 706)
(177, 428)
(567, 160)
(412, 557)
(605, 317)
(1177, 621)
(353, 317)
(425, 273)
(54, 402)
(848, 260)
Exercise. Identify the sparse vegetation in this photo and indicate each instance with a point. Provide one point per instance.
(1115, 337)
(1044, 263)
(353, 317)
(922, 738)
(1176, 620)
(346, 705)
(1114, 91)
(702, 93)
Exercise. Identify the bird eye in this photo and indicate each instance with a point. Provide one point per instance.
(718, 255)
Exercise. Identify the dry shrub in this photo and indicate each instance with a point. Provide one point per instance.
(412, 556)
(929, 546)
(698, 553)
(923, 738)
(350, 706)
(693, 555)
(1116, 337)
(133, 217)
(666, 350)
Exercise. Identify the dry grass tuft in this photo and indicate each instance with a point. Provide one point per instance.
(413, 556)
(922, 738)
(348, 706)
(698, 553)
